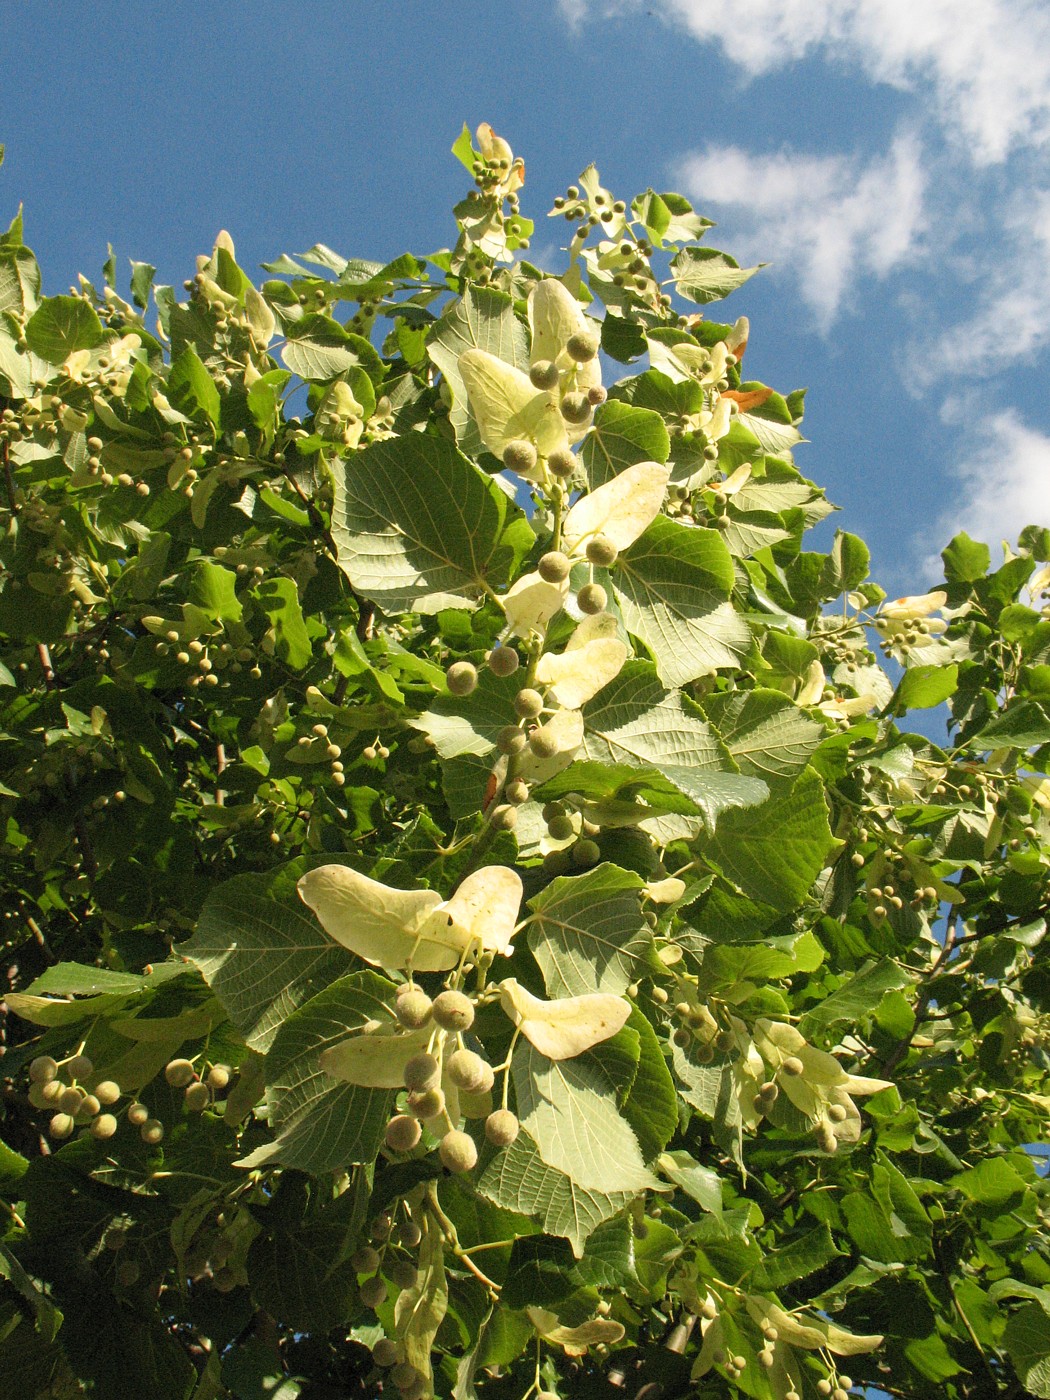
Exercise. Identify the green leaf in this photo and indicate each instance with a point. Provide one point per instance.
(651, 1105)
(47, 1317)
(848, 563)
(279, 600)
(518, 1179)
(192, 390)
(12, 1167)
(141, 281)
(323, 1124)
(701, 1183)
(623, 435)
(887, 1223)
(61, 325)
(588, 934)
(419, 527)
(922, 687)
(568, 1108)
(1026, 1339)
(482, 319)
(636, 721)
(262, 956)
(672, 586)
(704, 274)
(766, 733)
(1022, 726)
(319, 349)
(993, 1183)
(965, 560)
(802, 1256)
(775, 851)
(857, 998)
(300, 1273)
(214, 589)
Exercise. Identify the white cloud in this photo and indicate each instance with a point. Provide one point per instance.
(1010, 321)
(1002, 486)
(824, 219)
(985, 64)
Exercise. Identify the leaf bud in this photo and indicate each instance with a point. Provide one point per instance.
(575, 408)
(89, 1106)
(528, 703)
(458, 1151)
(519, 456)
(461, 677)
(405, 1376)
(453, 1011)
(824, 1386)
(591, 598)
(373, 1292)
(197, 1097)
(43, 1069)
(543, 742)
(107, 1091)
(386, 1352)
(409, 1234)
(402, 1273)
(466, 1070)
(561, 463)
(791, 1064)
(422, 1072)
(511, 739)
(70, 1100)
(366, 1259)
(426, 1104)
(138, 1114)
(103, 1126)
(503, 661)
(61, 1126)
(413, 1009)
(504, 818)
(179, 1073)
(544, 375)
(554, 566)
(596, 395)
(582, 346)
(846, 1382)
(586, 853)
(837, 1113)
(501, 1127)
(402, 1133)
(560, 826)
(152, 1131)
(218, 1077)
(602, 551)
(80, 1066)
(826, 1139)
(517, 791)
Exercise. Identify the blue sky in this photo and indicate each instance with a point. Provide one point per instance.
(888, 158)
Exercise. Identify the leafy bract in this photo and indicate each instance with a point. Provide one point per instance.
(565, 1026)
(415, 929)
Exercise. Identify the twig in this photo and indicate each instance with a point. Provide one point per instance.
(9, 480)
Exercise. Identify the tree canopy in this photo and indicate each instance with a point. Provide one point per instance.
(477, 921)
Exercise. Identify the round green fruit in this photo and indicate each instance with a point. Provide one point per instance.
(453, 1011)
(458, 1151)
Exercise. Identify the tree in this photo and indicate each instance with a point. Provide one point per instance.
(475, 923)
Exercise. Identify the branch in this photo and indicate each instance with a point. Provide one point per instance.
(9, 480)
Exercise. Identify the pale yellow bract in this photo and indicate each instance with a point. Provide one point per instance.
(621, 510)
(566, 1026)
(417, 929)
(374, 1060)
(593, 656)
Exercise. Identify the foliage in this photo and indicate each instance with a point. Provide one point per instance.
(476, 922)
